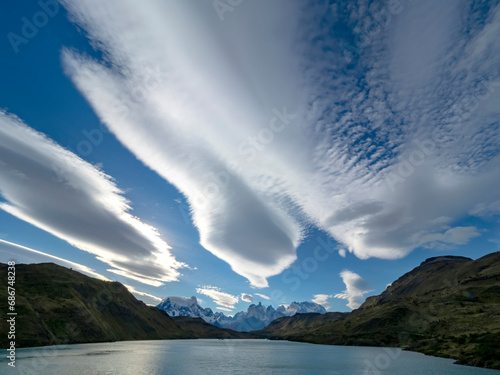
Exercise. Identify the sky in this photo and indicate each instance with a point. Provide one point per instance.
(249, 151)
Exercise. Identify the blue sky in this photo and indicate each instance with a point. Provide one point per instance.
(293, 150)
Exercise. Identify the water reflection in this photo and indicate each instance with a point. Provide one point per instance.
(242, 357)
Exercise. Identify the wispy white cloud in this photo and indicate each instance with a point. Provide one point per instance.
(262, 296)
(454, 236)
(486, 210)
(220, 298)
(378, 146)
(224, 309)
(246, 297)
(322, 299)
(356, 288)
(54, 190)
(147, 298)
(22, 254)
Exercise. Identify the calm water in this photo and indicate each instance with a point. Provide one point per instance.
(226, 357)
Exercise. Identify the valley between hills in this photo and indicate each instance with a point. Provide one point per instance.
(447, 306)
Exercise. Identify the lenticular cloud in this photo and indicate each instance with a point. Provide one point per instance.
(188, 127)
(37, 180)
(267, 125)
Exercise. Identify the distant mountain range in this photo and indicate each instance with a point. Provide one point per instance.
(448, 306)
(256, 317)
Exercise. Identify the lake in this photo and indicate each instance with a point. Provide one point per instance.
(232, 357)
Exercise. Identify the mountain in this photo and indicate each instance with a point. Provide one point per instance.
(448, 306)
(303, 308)
(255, 318)
(180, 306)
(56, 305)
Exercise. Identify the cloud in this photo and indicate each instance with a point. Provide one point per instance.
(356, 288)
(147, 298)
(342, 253)
(246, 297)
(224, 309)
(54, 190)
(186, 136)
(322, 299)
(262, 296)
(370, 134)
(22, 254)
(220, 298)
(453, 236)
(486, 210)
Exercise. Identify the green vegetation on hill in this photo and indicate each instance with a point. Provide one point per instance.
(291, 325)
(448, 306)
(198, 328)
(56, 305)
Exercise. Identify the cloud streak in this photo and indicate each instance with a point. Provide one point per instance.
(54, 190)
(266, 139)
(263, 296)
(223, 299)
(356, 288)
(147, 298)
(23, 254)
(322, 299)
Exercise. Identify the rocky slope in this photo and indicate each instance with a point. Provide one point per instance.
(56, 305)
(448, 306)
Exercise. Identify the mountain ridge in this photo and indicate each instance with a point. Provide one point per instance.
(256, 317)
(447, 306)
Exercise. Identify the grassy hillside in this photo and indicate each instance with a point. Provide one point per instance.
(197, 327)
(56, 305)
(448, 306)
(298, 323)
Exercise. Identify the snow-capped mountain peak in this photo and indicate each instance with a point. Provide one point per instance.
(303, 307)
(183, 306)
(256, 317)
